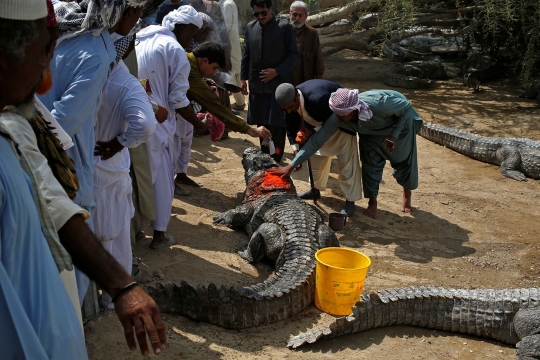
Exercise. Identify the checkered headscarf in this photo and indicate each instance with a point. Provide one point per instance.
(121, 43)
(81, 16)
(345, 101)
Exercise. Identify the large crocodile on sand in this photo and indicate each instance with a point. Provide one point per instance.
(511, 316)
(519, 158)
(281, 227)
(415, 75)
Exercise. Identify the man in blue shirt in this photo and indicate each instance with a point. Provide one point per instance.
(82, 59)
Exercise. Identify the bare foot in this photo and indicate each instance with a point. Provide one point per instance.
(406, 205)
(161, 240)
(182, 178)
(371, 210)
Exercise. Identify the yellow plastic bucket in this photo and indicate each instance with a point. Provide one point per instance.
(340, 276)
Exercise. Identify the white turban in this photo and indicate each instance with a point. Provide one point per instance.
(345, 101)
(183, 15)
(23, 9)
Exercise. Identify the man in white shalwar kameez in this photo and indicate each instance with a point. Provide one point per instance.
(124, 120)
(163, 61)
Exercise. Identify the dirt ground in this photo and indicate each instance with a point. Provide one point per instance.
(471, 227)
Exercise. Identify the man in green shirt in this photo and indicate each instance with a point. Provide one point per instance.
(205, 60)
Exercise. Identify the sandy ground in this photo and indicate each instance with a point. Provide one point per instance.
(472, 227)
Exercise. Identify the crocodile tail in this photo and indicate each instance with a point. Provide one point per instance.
(285, 294)
(476, 146)
(407, 82)
(484, 313)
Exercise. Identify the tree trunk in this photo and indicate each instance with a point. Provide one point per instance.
(357, 45)
(327, 4)
(332, 50)
(336, 14)
(334, 29)
(342, 39)
(343, 12)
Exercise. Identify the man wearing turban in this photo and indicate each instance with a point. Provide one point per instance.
(387, 125)
(163, 61)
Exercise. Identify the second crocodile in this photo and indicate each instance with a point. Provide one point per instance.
(519, 158)
(415, 75)
(281, 227)
(511, 316)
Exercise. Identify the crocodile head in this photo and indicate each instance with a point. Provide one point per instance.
(254, 161)
(258, 181)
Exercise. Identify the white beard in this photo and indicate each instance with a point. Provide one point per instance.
(297, 24)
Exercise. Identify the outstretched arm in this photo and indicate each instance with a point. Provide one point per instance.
(315, 142)
(133, 307)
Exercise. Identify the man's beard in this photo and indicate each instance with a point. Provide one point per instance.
(297, 24)
(26, 108)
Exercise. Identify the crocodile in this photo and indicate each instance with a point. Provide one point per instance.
(510, 316)
(518, 158)
(281, 227)
(415, 75)
(401, 54)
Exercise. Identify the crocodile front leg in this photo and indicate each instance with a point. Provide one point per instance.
(267, 240)
(235, 218)
(510, 159)
(326, 237)
(527, 328)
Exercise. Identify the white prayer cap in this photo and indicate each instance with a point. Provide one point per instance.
(23, 9)
(184, 15)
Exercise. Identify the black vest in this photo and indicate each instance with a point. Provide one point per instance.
(316, 94)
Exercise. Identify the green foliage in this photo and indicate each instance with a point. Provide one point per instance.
(394, 17)
(505, 29)
(512, 28)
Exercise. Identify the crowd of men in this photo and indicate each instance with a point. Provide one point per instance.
(98, 114)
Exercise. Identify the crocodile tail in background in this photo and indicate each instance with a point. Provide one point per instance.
(481, 312)
(407, 82)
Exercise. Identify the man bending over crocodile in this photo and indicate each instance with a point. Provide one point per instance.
(307, 110)
(387, 125)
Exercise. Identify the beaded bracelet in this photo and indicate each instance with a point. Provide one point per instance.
(123, 290)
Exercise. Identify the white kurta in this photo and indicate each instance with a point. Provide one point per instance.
(230, 17)
(163, 61)
(345, 148)
(124, 112)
